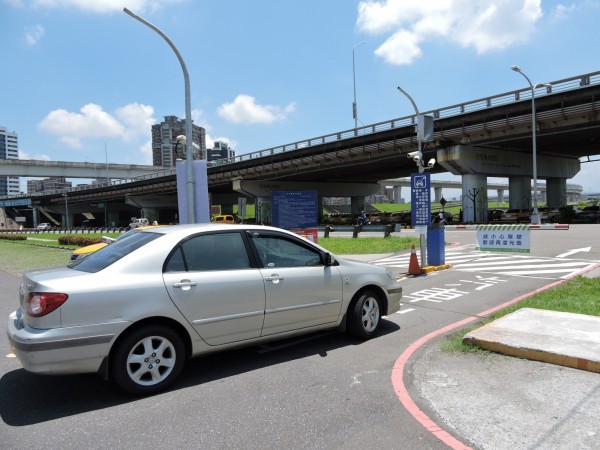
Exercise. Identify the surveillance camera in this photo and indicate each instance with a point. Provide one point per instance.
(414, 155)
(431, 162)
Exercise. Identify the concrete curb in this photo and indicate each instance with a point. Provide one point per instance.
(429, 269)
(565, 339)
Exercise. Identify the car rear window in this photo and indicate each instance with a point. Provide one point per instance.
(113, 252)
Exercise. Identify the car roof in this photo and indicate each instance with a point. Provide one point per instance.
(188, 229)
(212, 226)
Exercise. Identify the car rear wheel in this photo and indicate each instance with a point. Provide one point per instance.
(148, 360)
(364, 315)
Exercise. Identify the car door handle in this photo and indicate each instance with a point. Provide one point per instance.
(185, 284)
(275, 278)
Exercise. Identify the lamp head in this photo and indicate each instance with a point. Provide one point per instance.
(516, 68)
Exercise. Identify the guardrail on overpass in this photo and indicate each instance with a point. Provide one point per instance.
(515, 96)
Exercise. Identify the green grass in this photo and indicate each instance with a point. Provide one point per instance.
(51, 239)
(578, 295)
(366, 245)
(18, 256)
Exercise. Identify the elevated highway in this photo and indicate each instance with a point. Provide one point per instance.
(37, 168)
(567, 119)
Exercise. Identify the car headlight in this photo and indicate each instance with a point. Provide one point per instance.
(390, 274)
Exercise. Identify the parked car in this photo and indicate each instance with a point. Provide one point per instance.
(516, 215)
(548, 214)
(44, 226)
(590, 214)
(495, 214)
(82, 252)
(569, 213)
(136, 223)
(137, 309)
(226, 218)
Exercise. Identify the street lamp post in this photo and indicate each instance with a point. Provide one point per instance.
(108, 182)
(419, 228)
(535, 215)
(188, 119)
(354, 106)
(66, 210)
(420, 161)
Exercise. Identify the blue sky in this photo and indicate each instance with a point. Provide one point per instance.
(79, 76)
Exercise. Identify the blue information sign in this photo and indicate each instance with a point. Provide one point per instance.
(420, 201)
(295, 209)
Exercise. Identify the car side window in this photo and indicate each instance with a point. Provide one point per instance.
(221, 251)
(276, 251)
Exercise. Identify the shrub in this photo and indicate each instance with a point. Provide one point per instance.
(13, 237)
(78, 240)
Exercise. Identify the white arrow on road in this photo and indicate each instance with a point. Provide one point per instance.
(575, 250)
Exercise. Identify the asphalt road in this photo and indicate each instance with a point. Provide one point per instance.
(322, 391)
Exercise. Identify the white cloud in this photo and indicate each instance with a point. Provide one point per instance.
(92, 122)
(26, 155)
(210, 141)
(484, 25)
(34, 34)
(244, 109)
(562, 12)
(137, 120)
(145, 150)
(103, 6)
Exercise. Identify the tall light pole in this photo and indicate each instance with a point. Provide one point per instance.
(188, 120)
(422, 230)
(354, 107)
(108, 181)
(535, 215)
(420, 161)
(66, 210)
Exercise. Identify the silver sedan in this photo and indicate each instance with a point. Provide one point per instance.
(137, 309)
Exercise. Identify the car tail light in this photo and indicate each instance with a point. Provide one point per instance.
(41, 303)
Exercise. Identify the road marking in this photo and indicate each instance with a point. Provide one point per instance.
(575, 250)
(514, 265)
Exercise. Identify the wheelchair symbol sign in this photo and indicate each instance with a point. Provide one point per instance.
(420, 182)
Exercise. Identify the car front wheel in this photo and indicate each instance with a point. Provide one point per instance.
(148, 360)
(364, 315)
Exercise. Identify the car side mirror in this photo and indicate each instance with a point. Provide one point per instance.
(327, 258)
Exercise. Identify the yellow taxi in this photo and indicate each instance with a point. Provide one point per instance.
(226, 218)
(82, 252)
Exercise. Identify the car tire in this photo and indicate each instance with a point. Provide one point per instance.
(148, 360)
(364, 315)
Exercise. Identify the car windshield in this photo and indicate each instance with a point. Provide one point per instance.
(106, 256)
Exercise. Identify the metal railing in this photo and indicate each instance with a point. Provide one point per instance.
(566, 84)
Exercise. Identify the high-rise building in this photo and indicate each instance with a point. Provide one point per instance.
(220, 150)
(9, 149)
(165, 150)
(48, 184)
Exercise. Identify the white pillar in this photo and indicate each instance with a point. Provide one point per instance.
(556, 192)
(398, 194)
(263, 210)
(474, 198)
(357, 204)
(500, 195)
(519, 192)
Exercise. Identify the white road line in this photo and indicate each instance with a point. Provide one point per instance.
(538, 267)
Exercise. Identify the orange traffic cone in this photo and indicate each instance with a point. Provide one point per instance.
(413, 265)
